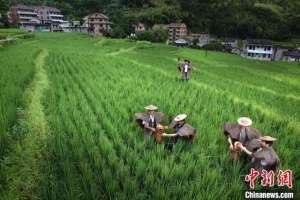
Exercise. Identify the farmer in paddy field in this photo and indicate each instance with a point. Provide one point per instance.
(241, 132)
(184, 68)
(182, 130)
(148, 120)
(262, 153)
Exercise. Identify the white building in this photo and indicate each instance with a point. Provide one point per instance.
(258, 49)
(35, 18)
(50, 16)
(204, 39)
(25, 17)
(139, 27)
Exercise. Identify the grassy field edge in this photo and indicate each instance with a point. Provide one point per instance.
(22, 163)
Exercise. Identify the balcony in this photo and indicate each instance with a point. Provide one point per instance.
(260, 51)
(56, 15)
(26, 13)
(57, 20)
(25, 17)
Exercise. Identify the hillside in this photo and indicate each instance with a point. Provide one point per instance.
(278, 20)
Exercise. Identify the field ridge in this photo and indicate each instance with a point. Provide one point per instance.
(23, 161)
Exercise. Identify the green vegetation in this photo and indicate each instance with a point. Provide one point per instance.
(16, 73)
(5, 33)
(154, 35)
(278, 20)
(76, 138)
(294, 43)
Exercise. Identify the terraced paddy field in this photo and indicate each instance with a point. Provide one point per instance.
(67, 131)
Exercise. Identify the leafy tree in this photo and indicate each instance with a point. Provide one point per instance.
(272, 19)
(154, 35)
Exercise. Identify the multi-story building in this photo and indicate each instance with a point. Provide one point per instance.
(258, 49)
(35, 17)
(50, 16)
(24, 17)
(176, 31)
(97, 23)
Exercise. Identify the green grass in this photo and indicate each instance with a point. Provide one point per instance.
(92, 149)
(5, 33)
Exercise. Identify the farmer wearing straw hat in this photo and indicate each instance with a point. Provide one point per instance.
(148, 120)
(241, 132)
(264, 156)
(181, 130)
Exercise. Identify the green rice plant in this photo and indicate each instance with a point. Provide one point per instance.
(94, 149)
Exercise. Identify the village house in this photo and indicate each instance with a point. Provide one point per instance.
(291, 56)
(97, 23)
(176, 31)
(50, 17)
(230, 44)
(139, 27)
(204, 39)
(24, 17)
(35, 18)
(258, 49)
(73, 26)
(182, 42)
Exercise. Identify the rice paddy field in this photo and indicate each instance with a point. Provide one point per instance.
(67, 130)
(6, 33)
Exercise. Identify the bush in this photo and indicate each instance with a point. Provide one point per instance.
(154, 35)
(214, 46)
(25, 36)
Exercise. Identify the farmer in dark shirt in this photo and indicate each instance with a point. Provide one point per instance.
(263, 156)
(241, 132)
(148, 120)
(181, 130)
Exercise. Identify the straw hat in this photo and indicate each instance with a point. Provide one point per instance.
(267, 138)
(180, 117)
(151, 107)
(244, 121)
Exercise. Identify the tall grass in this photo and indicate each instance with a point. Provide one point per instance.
(16, 71)
(22, 162)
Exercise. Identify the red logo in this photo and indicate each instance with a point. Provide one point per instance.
(251, 177)
(267, 178)
(284, 178)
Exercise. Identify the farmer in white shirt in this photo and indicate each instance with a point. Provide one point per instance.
(185, 68)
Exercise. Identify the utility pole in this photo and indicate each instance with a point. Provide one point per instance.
(207, 41)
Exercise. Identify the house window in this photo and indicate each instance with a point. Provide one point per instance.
(269, 55)
(264, 55)
(269, 48)
(249, 54)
